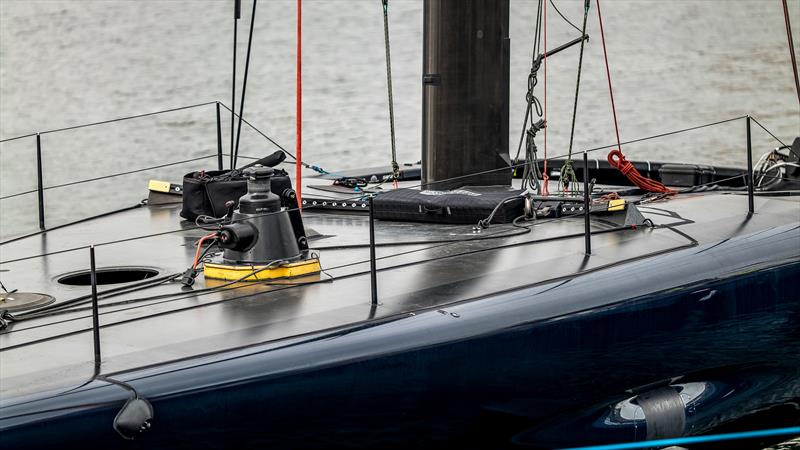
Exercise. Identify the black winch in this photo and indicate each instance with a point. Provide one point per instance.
(263, 236)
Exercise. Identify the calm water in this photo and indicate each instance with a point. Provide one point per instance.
(64, 63)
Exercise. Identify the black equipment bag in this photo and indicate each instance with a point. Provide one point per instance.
(467, 205)
(206, 192)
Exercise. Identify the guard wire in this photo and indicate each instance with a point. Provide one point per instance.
(355, 198)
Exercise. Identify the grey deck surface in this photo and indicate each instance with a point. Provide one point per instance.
(57, 350)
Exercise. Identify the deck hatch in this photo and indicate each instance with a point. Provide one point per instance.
(108, 275)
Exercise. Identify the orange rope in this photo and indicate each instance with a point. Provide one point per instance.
(545, 178)
(299, 114)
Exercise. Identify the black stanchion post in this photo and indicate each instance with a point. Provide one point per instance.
(587, 232)
(95, 311)
(373, 271)
(39, 180)
(219, 139)
(750, 206)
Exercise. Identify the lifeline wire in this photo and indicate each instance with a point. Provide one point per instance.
(359, 197)
(108, 121)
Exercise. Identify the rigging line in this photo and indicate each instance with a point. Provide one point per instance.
(545, 178)
(119, 119)
(87, 180)
(765, 129)
(244, 83)
(399, 266)
(563, 17)
(395, 166)
(237, 13)
(85, 219)
(608, 74)
(298, 108)
(264, 135)
(578, 83)
(355, 198)
(660, 135)
(59, 308)
(791, 48)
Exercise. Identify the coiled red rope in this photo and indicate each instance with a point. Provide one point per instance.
(617, 159)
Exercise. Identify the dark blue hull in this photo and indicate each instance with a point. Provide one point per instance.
(540, 366)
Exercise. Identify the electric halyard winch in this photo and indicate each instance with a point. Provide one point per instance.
(264, 237)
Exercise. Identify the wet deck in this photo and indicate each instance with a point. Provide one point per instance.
(412, 277)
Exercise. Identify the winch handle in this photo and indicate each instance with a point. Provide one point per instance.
(268, 161)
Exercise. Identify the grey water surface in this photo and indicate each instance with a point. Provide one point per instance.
(63, 63)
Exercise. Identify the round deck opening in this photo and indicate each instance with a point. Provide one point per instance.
(109, 275)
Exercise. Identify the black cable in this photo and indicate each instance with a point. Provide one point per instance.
(280, 147)
(564, 17)
(244, 83)
(765, 129)
(237, 5)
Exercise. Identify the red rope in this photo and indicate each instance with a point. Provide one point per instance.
(608, 74)
(545, 178)
(627, 169)
(791, 48)
(620, 162)
(299, 114)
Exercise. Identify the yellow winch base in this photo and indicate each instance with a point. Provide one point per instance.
(288, 270)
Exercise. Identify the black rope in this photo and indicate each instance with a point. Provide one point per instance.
(765, 129)
(578, 83)
(237, 6)
(87, 180)
(564, 17)
(111, 121)
(395, 166)
(244, 83)
(568, 179)
(531, 171)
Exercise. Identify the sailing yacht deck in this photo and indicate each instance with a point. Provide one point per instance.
(426, 274)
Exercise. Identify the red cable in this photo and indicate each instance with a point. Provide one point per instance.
(608, 74)
(620, 162)
(299, 114)
(545, 178)
(199, 246)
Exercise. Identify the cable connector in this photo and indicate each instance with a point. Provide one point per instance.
(187, 279)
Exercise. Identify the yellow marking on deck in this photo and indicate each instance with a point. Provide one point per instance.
(158, 186)
(232, 272)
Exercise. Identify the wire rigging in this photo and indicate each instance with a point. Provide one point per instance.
(791, 48)
(569, 180)
(244, 83)
(395, 166)
(531, 126)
